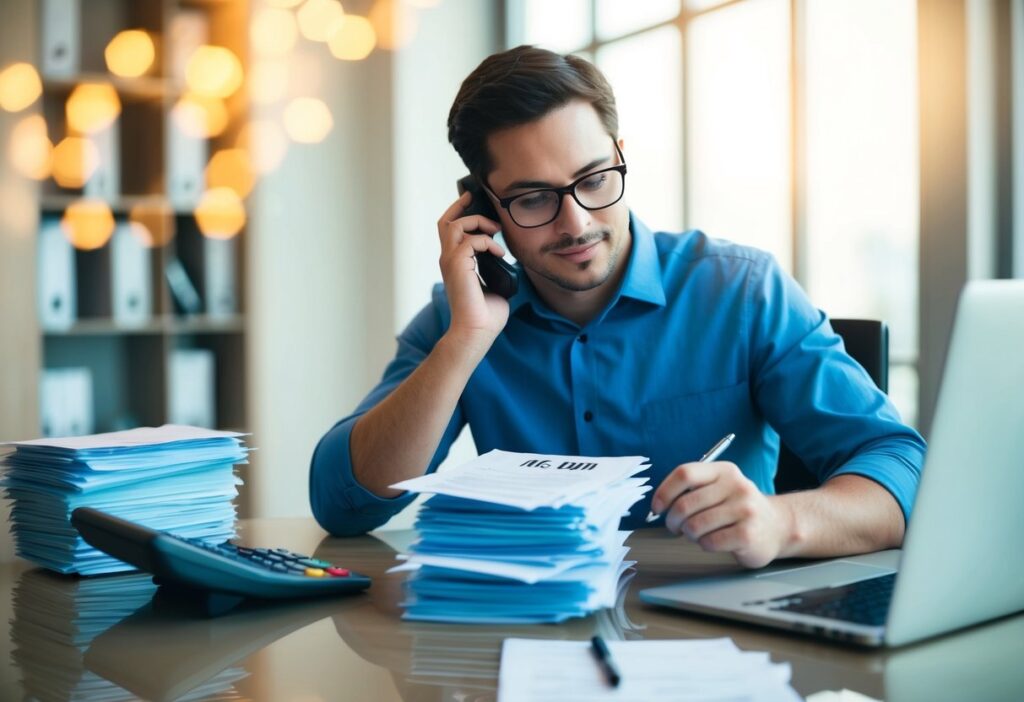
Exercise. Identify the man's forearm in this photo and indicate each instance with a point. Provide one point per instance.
(396, 439)
(848, 514)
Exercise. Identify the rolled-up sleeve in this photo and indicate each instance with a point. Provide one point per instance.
(822, 403)
(340, 504)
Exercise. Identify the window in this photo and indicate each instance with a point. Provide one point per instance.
(800, 135)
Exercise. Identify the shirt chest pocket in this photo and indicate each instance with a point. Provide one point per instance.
(683, 428)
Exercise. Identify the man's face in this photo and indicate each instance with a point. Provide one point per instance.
(581, 249)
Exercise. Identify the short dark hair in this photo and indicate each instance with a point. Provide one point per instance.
(519, 86)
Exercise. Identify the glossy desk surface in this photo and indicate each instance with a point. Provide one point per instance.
(69, 640)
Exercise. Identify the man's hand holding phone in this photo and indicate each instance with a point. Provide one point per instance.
(477, 317)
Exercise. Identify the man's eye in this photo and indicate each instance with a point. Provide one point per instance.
(534, 201)
(594, 182)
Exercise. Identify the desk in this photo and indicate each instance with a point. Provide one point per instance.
(358, 648)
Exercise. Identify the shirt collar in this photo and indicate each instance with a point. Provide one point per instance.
(642, 280)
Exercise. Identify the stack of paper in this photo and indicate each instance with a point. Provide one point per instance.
(699, 670)
(173, 478)
(521, 538)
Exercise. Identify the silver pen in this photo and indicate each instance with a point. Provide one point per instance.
(713, 453)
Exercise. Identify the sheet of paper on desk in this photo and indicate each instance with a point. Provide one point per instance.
(708, 670)
(527, 480)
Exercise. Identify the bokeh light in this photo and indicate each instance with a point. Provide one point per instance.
(92, 107)
(214, 71)
(152, 222)
(75, 159)
(88, 224)
(283, 3)
(394, 23)
(268, 81)
(199, 116)
(319, 19)
(31, 151)
(266, 143)
(220, 213)
(273, 32)
(354, 39)
(130, 53)
(20, 86)
(307, 120)
(231, 168)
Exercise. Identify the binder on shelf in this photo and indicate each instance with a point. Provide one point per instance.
(188, 31)
(105, 182)
(132, 273)
(186, 159)
(66, 402)
(57, 297)
(182, 289)
(219, 280)
(192, 400)
(61, 38)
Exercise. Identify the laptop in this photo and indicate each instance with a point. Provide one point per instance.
(961, 561)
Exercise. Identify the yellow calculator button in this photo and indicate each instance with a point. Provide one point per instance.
(315, 572)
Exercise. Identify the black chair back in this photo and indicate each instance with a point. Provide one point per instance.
(867, 342)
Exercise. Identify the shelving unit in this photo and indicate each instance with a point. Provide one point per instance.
(131, 364)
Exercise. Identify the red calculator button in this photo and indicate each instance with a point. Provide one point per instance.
(339, 572)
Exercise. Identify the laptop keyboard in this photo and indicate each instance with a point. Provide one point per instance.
(862, 602)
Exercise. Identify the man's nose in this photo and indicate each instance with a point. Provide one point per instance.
(573, 219)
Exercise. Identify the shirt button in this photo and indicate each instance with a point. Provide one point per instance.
(583, 338)
(587, 416)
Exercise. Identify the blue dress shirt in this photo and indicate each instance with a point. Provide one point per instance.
(703, 338)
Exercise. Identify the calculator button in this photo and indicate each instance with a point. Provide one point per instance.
(276, 557)
(314, 562)
(279, 567)
(338, 572)
(294, 567)
(315, 572)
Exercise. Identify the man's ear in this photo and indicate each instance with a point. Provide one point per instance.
(622, 145)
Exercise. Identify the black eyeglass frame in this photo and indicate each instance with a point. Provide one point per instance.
(570, 189)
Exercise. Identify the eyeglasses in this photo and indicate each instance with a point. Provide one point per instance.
(594, 191)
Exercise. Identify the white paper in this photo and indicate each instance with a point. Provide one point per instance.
(527, 480)
(712, 670)
(143, 436)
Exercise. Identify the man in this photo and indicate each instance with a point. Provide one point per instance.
(619, 342)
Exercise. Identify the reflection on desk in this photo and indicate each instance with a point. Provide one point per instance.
(74, 639)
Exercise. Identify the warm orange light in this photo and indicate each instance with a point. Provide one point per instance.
(220, 213)
(130, 53)
(307, 120)
(319, 19)
(92, 107)
(273, 32)
(152, 222)
(283, 3)
(394, 23)
(214, 71)
(266, 143)
(199, 116)
(88, 224)
(19, 87)
(31, 150)
(75, 159)
(354, 39)
(268, 82)
(231, 168)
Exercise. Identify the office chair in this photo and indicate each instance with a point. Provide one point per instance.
(867, 341)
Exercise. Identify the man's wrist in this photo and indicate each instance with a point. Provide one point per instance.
(471, 344)
(793, 537)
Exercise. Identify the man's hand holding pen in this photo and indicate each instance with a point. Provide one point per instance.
(714, 504)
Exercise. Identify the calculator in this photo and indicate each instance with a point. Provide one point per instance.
(222, 575)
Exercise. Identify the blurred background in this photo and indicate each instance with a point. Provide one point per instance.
(221, 212)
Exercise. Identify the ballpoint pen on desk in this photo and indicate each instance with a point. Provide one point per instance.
(604, 659)
(711, 455)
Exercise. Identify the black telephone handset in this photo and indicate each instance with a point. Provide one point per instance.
(498, 275)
